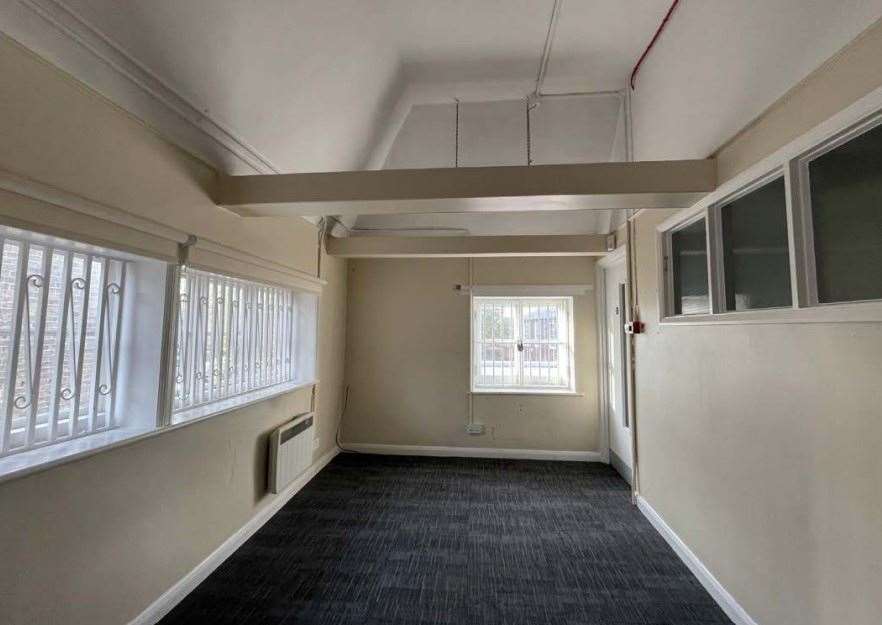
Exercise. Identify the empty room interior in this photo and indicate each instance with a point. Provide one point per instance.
(440, 312)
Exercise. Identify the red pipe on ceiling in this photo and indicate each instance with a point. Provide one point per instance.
(655, 37)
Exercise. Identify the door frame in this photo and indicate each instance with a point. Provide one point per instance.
(619, 255)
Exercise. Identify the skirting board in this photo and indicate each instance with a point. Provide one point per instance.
(726, 601)
(474, 452)
(170, 598)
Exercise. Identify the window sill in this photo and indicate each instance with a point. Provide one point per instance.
(234, 403)
(550, 393)
(852, 312)
(27, 462)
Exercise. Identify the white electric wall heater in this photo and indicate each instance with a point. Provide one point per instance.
(290, 451)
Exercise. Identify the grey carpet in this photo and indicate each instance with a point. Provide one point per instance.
(402, 540)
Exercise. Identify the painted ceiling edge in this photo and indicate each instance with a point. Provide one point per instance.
(129, 86)
(76, 29)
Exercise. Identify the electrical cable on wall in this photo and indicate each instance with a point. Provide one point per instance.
(530, 104)
(634, 313)
(318, 274)
(320, 245)
(471, 356)
(340, 423)
(323, 230)
(456, 137)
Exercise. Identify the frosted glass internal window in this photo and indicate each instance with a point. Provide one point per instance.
(755, 252)
(846, 212)
(689, 267)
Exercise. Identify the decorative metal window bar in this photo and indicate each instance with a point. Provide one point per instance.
(233, 337)
(522, 343)
(61, 314)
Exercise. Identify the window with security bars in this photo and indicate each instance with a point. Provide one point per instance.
(235, 337)
(61, 314)
(522, 344)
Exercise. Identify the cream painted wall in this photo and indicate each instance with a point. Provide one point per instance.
(408, 358)
(97, 540)
(760, 444)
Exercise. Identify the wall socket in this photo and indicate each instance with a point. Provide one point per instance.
(475, 428)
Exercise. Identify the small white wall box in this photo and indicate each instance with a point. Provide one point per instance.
(290, 451)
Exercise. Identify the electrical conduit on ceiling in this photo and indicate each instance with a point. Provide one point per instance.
(546, 49)
(652, 42)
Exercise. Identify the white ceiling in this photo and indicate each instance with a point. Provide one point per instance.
(311, 83)
(595, 45)
(323, 85)
(720, 64)
(572, 129)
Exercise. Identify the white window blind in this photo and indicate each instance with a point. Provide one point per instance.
(60, 319)
(522, 343)
(234, 337)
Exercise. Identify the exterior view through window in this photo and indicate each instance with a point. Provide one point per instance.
(60, 321)
(522, 344)
(233, 337)
(79, 354)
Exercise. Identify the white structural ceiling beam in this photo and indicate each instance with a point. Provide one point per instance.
(650, 184)
(405, 247)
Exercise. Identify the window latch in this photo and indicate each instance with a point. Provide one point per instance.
(520, 346)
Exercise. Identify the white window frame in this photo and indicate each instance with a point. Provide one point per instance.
(716, 247)
(802, 208)
(120, 352)
(300, 335)
(109, 319)
(521, 389)
(667, 265)
(792, 163)
(150, 284)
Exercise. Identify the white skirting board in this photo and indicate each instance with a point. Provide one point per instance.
(170, 598)
(726, 601)
(474, 452)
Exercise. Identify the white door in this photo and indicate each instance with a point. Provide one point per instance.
(615, 291)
